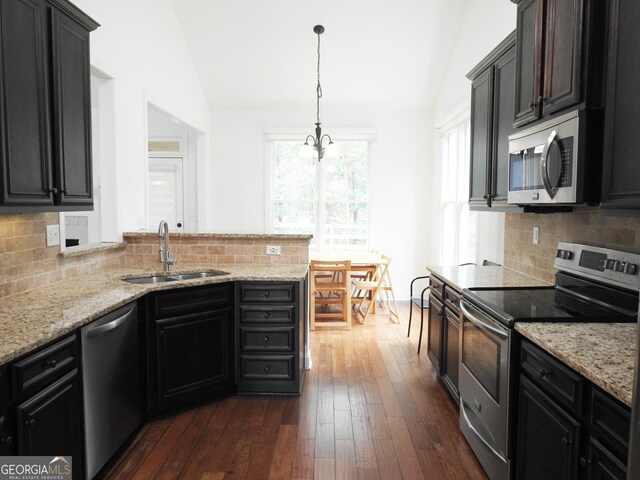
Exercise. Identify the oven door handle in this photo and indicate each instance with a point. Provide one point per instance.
(483, 325)
(480, 437)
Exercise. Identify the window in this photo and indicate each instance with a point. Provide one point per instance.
(459, 224)
(329, 199)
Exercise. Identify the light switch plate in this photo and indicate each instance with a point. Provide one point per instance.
(273, 250)
(536, 235)
(53, 235)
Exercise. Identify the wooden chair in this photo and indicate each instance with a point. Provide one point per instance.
(376, 287)
(330, 288)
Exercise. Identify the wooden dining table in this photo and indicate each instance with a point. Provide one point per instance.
(362, 261)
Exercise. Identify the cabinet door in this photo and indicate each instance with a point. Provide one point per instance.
(72, 110)
(481, 121)
(49, 423)
(194, 356)
(504, 86)
(25, 143)
(621, 188)
(434, 339)
(548, 438)
(451, 361)
(528, 61)
(563, 55)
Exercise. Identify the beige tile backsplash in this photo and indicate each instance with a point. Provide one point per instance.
(204, 250)
(584, 225)
(26, 262)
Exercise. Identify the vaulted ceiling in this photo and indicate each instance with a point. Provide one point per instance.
(262, 53)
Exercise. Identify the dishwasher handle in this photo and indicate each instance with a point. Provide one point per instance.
(100, 329)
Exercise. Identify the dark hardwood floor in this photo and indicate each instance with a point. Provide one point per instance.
(371, 408)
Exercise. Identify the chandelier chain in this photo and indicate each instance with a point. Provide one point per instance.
(318, 88)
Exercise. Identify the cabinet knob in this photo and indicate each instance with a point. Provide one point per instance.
(542, 373)
(51, 363)
(584, 462)
(532, 105)
(266, 369)
(53, 190)
(566, 442)
(30, 423)
(266, 338)
(7, 441)
(265, 315)
(266, 293)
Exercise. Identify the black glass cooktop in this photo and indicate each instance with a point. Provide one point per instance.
(547, 304)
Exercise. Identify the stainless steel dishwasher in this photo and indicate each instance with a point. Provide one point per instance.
(111, 384)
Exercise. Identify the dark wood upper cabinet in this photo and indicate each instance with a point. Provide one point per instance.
(481, 115)
(559, 57)
(528, 62)
(45, 108)
(492, 110)
(621, 169)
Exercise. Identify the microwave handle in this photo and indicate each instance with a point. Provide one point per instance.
(544, 173)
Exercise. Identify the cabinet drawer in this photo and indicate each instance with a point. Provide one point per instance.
(610, 423)
(267, 292)
(267, 314)
(452, 300)
(188, 300)
(267, 367)
(42, 368)
(437, 287)
(266, 339)
(557, 380)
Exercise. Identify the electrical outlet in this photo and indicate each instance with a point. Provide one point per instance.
(53, 235)
(273, 250)
(536, 235)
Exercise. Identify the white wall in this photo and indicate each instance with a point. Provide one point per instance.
(399, 169)
(485, 24)
(141, 46)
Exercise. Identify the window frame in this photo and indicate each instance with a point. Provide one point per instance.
(298, 135)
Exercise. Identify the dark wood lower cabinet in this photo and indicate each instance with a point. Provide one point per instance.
(50, 422)
(452, 349)
(434, 337)
(567, 428)
(548, 442)
(191, 348)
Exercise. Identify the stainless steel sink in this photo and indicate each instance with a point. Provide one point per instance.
(173, 278)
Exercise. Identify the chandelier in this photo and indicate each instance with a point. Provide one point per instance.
(317, 149)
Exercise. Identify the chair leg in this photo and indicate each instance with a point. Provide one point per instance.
(421, 326)
(410, 313)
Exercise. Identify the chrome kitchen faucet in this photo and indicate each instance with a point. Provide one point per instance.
(164, 254)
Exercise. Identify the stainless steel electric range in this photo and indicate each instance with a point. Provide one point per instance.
(592, 285)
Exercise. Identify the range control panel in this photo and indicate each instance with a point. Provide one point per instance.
(611, 266)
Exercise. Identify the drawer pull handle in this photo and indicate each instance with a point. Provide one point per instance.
(266, 369)
(265, 315)
(51, 363)
(267, 293)
(266, 338)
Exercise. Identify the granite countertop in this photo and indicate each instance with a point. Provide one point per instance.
(468, 276)
(602, 352)
(34, 318)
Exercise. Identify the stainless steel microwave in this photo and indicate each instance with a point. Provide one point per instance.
(547, 162)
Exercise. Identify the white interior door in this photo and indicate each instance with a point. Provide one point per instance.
(166, 193)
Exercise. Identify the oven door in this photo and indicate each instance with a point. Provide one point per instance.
(484, 389)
